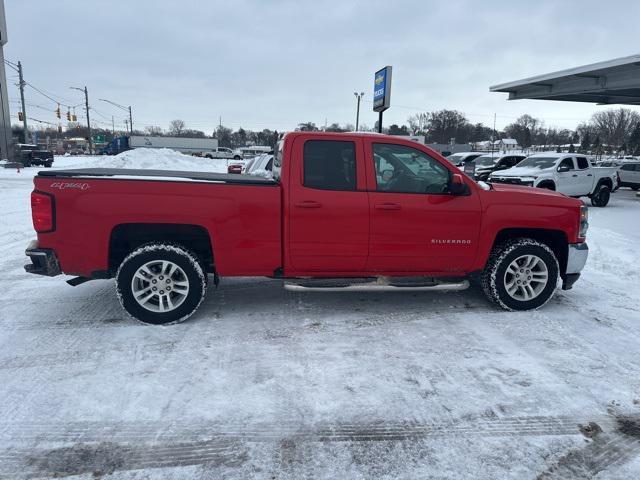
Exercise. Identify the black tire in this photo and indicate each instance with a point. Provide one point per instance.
(157, 252)
(601, 196)
(547, 186)
(237, 157)
(495, 273)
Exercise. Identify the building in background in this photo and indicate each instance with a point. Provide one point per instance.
(6, 141)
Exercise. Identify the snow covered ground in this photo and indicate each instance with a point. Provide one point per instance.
(265, 383)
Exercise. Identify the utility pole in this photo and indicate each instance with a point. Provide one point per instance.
(113, 126)
(86, 103)
(130, 121)
(493, 137)
(24, 112)
(359, 97)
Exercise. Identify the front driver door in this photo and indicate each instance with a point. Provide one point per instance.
(416, 224)
(567, 180)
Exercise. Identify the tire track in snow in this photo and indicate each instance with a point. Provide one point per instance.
(82, 447)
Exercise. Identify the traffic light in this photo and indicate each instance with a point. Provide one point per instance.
(58, 111)
(68, 116)
(59, 129)
(20, 116)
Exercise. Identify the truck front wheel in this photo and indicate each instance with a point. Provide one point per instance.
(601, 196)
(160, 283)
(521, 274)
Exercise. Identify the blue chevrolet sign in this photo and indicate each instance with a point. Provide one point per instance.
(382, 90)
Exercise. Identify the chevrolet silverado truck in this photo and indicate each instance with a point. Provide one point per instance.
(343, 211)
(566, 173)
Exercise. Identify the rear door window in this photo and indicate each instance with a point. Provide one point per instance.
(329, 165)
(583, 163)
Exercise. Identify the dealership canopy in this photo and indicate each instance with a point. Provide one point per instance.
(612, 82)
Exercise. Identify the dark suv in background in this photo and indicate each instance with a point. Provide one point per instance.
(29, 155)
(488, 163)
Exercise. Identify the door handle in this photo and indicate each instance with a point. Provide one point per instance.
(589, 174)
(574, 175)
(388, 206)
(308, 204)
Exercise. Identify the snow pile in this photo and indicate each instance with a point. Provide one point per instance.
(145, 158)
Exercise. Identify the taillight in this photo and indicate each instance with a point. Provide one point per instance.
(42, 212)
(584, 221)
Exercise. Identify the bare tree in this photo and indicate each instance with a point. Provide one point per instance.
(176, 127)
(614, 127)
(153, 130)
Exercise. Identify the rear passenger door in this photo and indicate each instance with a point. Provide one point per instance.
(328, 211)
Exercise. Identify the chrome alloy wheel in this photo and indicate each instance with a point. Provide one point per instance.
(526, 277)
(160, 286)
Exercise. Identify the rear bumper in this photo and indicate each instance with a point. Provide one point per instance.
(43, 260)
(576, 260)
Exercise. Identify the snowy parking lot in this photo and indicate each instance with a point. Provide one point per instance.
(270, 384)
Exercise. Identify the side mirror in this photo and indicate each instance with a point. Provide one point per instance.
(563, 168)
(457, 185)
(387, 175)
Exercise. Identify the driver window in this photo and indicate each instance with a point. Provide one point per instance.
(404, 169)
(567, 162)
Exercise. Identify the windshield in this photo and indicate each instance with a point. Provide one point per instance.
(486, 161)
(455, 158)
(539, 162)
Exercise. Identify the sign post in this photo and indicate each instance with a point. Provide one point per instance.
(381, 93)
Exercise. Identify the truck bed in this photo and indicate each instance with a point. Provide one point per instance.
(156, 175)
(240, 213)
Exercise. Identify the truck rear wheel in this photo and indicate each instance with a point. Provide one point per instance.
(601, 196)
(521, 274)
(160, 283)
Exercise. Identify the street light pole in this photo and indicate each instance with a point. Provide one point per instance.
(359, 97)
(122, 107)
(86, 102)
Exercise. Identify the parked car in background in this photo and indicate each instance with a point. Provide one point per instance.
(459, 159)
(224, 152)
(32, 155)
(76, 150)
(254, 151)
(566, 173)
(489, 163)
(235, 168)
(260, 165)
(629, 174)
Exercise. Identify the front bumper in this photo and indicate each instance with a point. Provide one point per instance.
(43, 261)
(576, 260)
(511, 181)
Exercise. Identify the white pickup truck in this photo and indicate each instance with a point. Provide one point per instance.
(567, 173)
(224, 152)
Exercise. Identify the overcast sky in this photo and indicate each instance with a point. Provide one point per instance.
(270, 64)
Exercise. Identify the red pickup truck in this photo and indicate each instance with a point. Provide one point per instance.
(343, 211)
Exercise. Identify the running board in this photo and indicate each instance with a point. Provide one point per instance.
(373, 285)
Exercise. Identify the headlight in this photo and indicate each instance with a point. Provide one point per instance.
(528, 179)
(584, 221)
